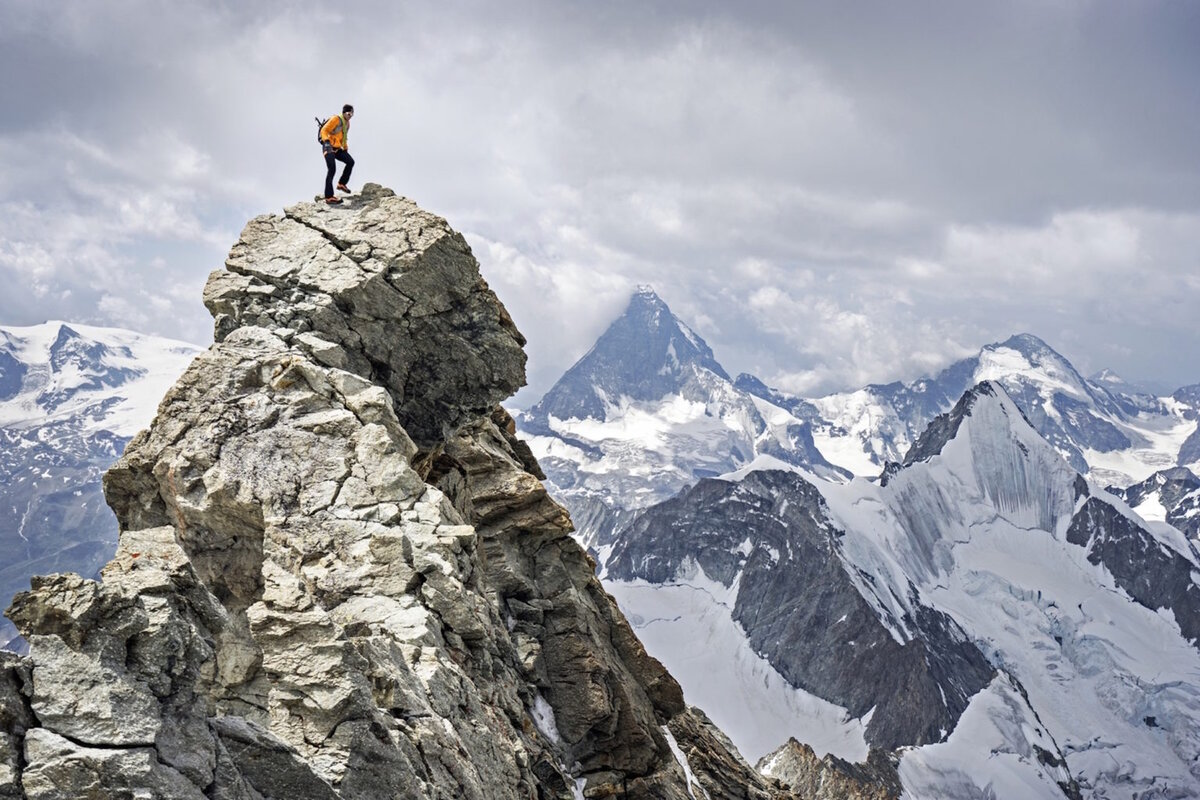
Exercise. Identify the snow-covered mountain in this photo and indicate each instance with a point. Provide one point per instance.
(1105, 428)
(647, 412)
(1170, 495)
(1012, 628)
(71, 397)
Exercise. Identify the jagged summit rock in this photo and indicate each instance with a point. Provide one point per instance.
(945, 427)
(382, 289)
(338, 573)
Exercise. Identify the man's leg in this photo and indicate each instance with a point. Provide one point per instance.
(346, 159)
(330, 168)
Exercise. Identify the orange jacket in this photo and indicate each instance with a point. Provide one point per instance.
(336, 131)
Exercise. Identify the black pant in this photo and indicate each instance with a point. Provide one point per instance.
(331, 159)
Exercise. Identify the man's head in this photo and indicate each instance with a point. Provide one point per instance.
(348, 110)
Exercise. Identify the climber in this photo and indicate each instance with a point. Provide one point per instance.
(333, 138)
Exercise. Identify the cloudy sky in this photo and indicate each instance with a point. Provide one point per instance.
(830, 193)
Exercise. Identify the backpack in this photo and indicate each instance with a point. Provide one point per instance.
(320, 125)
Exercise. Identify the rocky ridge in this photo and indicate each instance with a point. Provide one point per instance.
(339, 574)
(797, 766)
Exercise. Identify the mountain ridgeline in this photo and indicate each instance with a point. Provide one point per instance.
(648, 365)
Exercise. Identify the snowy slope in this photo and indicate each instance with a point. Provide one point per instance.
(100, 378)
(71, 396)
(688, 625)
(1087, 613)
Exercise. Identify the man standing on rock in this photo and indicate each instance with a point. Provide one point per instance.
(334, 136)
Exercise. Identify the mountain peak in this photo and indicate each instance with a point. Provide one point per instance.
(645, 293)
(646, 354)
(945, 427)
(1027, 343)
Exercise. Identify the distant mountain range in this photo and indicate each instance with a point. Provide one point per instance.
(71, 396)
(649, 411)
(980, 584)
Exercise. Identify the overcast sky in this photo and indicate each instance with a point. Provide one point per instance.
(830, 193)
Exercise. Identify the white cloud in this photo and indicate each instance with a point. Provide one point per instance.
(1069, 245)
(830, 196)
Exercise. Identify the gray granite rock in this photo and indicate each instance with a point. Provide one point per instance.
(60, 769)
(15, 718)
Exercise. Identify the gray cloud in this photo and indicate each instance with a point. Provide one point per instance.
(831, 195)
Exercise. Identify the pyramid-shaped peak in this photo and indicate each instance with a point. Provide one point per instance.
(71, 347)
(645, 304)
(66, 332)
(646, 354)
(1107, 375)
(752, 384)
(1176, 474)
(1000, 411)
(990, 445)
(645, 300)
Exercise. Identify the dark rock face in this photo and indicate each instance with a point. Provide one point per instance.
(798, 406)
(645, 354)
(12, 374)
(718, 769)
(1189, 453)
(15, 719)
(944, 427)
(1152, 573)
(308, 601)
(800, 608)
(1189, 395)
